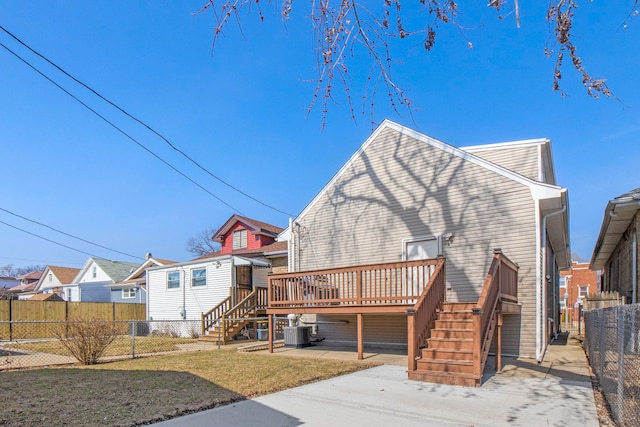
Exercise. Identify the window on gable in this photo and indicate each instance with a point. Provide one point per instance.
(199, 277)
(128, 293)
(50, 277)
(94, 272)
(239, 239)
(173, 280)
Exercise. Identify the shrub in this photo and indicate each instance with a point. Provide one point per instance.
(88, 339)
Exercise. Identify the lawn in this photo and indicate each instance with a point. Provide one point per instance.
(139, 391)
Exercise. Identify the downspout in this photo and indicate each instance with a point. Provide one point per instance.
(541, 290)
(292, 247)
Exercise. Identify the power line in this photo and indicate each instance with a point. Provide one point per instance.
(67, 234)
(49, 240)
(117, 128)
(148, 127)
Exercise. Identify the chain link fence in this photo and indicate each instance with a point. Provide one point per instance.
(32, 344)
(612, 341)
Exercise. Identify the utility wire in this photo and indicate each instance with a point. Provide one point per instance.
(118, 129)
(49, 240)
(148, 127)
(67, 234)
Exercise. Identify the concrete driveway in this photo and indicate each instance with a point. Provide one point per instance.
(557, 392)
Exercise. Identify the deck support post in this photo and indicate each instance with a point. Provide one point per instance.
(360, 337)
(411, 340)
(498, 341)
(271, 326)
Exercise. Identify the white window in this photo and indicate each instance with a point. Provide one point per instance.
(128, 293)
(173, 280)
(94, 271)
(199, 277)
(50, 277)
(584, 290)
(239, 239)
(563, 281)
(421, 248)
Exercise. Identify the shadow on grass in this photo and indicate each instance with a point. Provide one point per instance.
(80, 397)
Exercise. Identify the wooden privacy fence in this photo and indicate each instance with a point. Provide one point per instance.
(15, 315)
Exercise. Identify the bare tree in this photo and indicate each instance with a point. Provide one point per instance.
(201, 244)
(345, 27)
(9, 270)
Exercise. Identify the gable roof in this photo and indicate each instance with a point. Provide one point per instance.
(64, 274)
(46, 297)
(617, 218)
(255, 226)
(553, 198)
(116, 270)
(138, 276)
(32, 275)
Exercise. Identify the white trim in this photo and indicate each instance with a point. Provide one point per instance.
(539, 263)
(508, 144)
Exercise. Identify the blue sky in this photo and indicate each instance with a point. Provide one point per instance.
(242, 114)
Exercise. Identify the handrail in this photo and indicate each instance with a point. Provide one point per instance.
(211, 317)
(422, 315)
(399, 283)
(501, 283)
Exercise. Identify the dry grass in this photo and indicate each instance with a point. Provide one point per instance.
(140, 391)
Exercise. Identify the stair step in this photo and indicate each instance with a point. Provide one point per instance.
(458, 306)
(455, 315)
(446, 365)
(445, 378)
(452, 333)
(454, 324)
(446, 353)
(450, 343)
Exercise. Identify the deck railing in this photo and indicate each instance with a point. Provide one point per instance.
(421, 317)
(501, 283)
(398, 283)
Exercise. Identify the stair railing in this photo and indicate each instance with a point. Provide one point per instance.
(421, 317)
(500, 283)
(209, 319)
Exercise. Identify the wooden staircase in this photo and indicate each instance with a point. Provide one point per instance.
(449, 342)
(223, 322)
(448, 356)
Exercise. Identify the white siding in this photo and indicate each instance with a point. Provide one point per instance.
(401, 188)
(167, 304)
(520, 159)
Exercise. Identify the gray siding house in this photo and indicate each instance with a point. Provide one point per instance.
(616, 250)
(404, 195)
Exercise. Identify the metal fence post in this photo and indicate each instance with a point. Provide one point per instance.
(133, 339)
(620, 379)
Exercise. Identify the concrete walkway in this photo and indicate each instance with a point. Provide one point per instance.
(556, 392)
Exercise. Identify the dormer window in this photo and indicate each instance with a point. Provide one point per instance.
(239, 239)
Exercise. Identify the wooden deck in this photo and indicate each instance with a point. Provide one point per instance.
(416, 288)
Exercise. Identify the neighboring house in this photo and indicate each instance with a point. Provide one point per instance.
(404, 196)
(91, 282)
(213, 284)
(8, 282)
(133, 289)
(27, 284)
(54, 278)
(575, 284)
(46, 297)
(616, 250)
